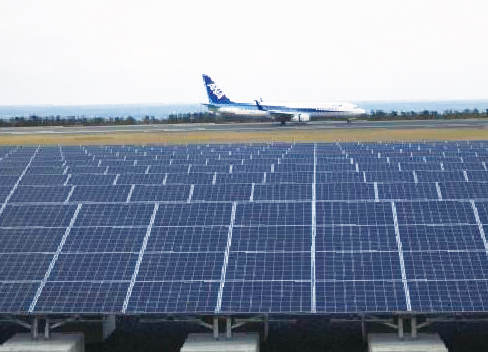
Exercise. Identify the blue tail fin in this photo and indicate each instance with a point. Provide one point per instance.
(215, 95)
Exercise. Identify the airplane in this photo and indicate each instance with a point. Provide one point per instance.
(283, 112)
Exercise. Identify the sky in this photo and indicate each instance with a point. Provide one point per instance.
(74, 52)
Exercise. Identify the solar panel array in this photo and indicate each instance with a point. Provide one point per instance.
(261, 228)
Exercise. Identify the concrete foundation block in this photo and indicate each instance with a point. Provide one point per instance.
(383, 342)
(239, 342)
(56, 343)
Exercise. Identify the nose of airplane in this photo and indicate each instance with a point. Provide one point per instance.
(359, 111)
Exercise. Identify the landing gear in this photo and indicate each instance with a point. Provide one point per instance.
(283, 123)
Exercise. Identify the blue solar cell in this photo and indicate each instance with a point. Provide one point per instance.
(396, 191)
(94, 266)
(14, 171)
(360, 297)
(250, 177)
(209, 168)
(291, 191)
(82, 297)
(268, 266)
(446, 265)
(37, 170)
(174, 297)
(182, 266)
(463, 166)
(37, 194)
(4, 192)
(448, 237)
(432, 166)
(338, 213)
(435, 212)
(188, 239)
(8, 181)
(177, 169)
(482, 208)
(338, 177)
(196, 214)
(104, 239)
(345, 191)
(114, 215)
(143, 179)
(390, 177)
(220, 193)
(284, 177)
(355, 238)
(86, 169)
(127, 169)
(37, 215)
(294, 168)
(275, 238)
(440, 176)
(335, 167)
(267, 297)
(43, 180)
(464, 190)
(340, 266)
(449, 296)
(191, 178)
(16, 298)
(91, 179)
(145, 193)
(30, 240)
(110, 193)
(246, 168)
(273, 214)
(24, 266)
(481, 176)
(385, 167)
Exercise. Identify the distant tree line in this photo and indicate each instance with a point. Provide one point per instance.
(206, 117)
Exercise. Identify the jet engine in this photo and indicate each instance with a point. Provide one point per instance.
(300, 118)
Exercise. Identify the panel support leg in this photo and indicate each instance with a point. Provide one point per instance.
(35, 328)
(47, 333)
(414, 327)
(363, 329)
(228, 328)
(400, 328)
(266, 328)
(216, 327)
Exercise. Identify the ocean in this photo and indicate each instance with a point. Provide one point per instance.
(162, 111)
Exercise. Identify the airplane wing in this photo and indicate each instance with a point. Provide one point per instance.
(284, 115)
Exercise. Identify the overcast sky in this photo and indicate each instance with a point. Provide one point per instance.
(118, 52)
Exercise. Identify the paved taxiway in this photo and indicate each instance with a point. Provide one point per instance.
(247, 127)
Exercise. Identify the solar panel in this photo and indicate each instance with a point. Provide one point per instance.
(188, 239)
(37, 215)
(360, 296)
(221, 193)
(345, 191)
(175, 296)
(23, 266)
(82, 297)
(430, 212)
(38, 194)
(273, 214)
(18, 240)
(404, 191)
(171, 193)
(266, 297)
(274, 192)
(341, 213)
(154, 225)
(114, 215)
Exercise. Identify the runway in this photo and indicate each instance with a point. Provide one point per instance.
(249, 127)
